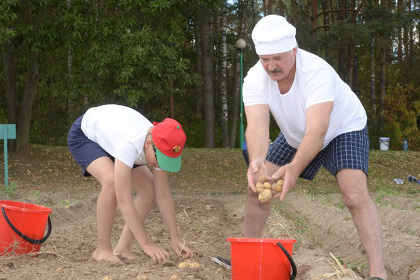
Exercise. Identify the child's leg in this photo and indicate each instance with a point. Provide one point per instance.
(143, 201)
(102, 169)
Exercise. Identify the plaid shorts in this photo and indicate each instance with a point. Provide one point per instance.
(348, 150)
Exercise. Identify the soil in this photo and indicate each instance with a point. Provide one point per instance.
(327, 244)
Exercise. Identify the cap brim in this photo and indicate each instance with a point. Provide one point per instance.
(168, 163)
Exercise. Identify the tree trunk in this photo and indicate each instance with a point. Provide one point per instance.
(281, 8)
(314, 26)
(223, 66)
(10, 62)
(373, 81)
(264, 7)
(22, 142)
(382, 86)
(409, 41)
(236, 95)
(325, 4)
(352, 49)
(400, 8)
(350, 67)
(199, 69)
(342, 49)
(253, 7)
(206, 51)
(295, 14)
(72, 104)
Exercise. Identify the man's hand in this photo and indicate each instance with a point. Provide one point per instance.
(289, 174)
(256, 169)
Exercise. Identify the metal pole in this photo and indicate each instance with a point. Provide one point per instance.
(6, 175)
(241, 126)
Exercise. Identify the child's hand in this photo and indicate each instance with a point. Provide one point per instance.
(158, 254)
(180, 249)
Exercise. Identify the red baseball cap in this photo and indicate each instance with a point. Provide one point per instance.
(169, 139)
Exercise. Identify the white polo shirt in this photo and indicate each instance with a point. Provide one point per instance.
(119, 130)
(315, 82)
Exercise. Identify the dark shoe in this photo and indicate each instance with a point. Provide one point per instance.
(221, 261)
(412, 179)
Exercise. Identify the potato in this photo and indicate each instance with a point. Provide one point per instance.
(189, 264)
(261, 179)
(259, 187)
(280, 182)
(276, 187)
(194, 264)
(182, 265)
(265, 196)
(267, 185)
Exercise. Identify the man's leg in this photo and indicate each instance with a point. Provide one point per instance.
(102, 169)
(143, 202)
(257, 213)
(353, 186)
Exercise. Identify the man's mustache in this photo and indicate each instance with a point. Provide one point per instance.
(276, 71)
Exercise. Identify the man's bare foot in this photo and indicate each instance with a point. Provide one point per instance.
(127, 254)
(105, 255)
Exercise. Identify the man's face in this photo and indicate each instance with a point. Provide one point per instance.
(279, 66)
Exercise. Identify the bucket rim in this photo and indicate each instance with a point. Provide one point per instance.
(261, 240)
(41, 209)
(384, 138)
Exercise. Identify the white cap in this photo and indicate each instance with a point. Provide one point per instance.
(273, 34)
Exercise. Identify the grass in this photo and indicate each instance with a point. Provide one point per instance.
(211, 171)
(205, 171)
(10, 188)
(220, 171)
(384, 166)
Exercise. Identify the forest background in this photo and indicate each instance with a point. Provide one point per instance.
(178, 58)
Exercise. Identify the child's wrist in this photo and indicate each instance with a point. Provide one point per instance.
(175, 237)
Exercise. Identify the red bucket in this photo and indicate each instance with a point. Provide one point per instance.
(262, 258)
(22, 227)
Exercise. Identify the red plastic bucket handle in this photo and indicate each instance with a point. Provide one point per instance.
(30, 240)
(294, 272)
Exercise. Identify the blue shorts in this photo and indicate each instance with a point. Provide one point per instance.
(346, 151)
(84, 150)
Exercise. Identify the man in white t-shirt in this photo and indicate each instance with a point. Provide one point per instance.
(114, 144)
(322, 122)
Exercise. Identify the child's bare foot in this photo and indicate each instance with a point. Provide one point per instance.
(127, 254)
(105, 255)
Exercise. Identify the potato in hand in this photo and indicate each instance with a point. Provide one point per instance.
(261, 179)
(277, 187)
(265, 196)
(259, 187)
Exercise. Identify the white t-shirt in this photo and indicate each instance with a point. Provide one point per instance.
(119, 130)
(315, 82)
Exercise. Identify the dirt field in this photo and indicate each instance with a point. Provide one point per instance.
(327, 245)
